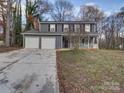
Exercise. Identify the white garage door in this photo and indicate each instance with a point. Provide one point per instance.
(48, 43)
(31, 42)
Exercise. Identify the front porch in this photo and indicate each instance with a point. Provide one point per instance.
(84, 42)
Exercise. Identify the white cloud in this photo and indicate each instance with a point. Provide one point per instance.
(108, 13)
(91, 3)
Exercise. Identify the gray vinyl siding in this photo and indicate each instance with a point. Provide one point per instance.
(44, 28)
(40, 42)
(82, 28)
(71, 27)
(93, 28)
(59, 28)
(58, 42)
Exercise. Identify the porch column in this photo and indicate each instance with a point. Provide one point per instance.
(79, 42)
(69, 42)
(88, 42)
(61, 41)
(97, 42)
(70, 45)
(93, 41)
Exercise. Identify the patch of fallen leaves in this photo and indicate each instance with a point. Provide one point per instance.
(7, 49)
(87, 73)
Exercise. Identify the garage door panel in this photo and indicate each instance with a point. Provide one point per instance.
(31, 42)
(48, 43)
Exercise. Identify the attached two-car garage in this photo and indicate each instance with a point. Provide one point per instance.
(42, 42)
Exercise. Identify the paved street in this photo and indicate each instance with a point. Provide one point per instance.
(28, 71)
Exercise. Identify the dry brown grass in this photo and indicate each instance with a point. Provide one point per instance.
(91, 71)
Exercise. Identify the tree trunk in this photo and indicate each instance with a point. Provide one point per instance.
(7, 39)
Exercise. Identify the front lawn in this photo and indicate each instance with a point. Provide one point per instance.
(91, 71)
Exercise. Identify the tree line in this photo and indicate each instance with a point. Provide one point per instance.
(110, 27)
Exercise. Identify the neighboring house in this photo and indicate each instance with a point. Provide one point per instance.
(55, 35)
(1, 28)
(122, 38)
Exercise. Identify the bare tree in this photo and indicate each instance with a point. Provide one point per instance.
(8, 7)
(8, 22)
(91, 13)
(121, 23)
(111, 29)
(62, 10)
(3, 17)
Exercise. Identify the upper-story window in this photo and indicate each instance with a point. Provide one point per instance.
(87, 27)
(77, 28)
(52, 27)
(66, 27)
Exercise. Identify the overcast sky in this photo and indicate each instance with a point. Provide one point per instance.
(108, 6)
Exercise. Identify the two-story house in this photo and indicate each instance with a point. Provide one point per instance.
(55, 35)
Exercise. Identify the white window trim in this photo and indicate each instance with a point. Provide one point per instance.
(52, 27)
(66, 27)
(87, 27)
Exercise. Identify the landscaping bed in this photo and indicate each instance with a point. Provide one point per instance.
(91, 71)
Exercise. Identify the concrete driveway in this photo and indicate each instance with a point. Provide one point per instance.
(28, 71)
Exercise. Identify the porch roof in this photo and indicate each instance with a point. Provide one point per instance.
(35, 32)
(68, 22)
